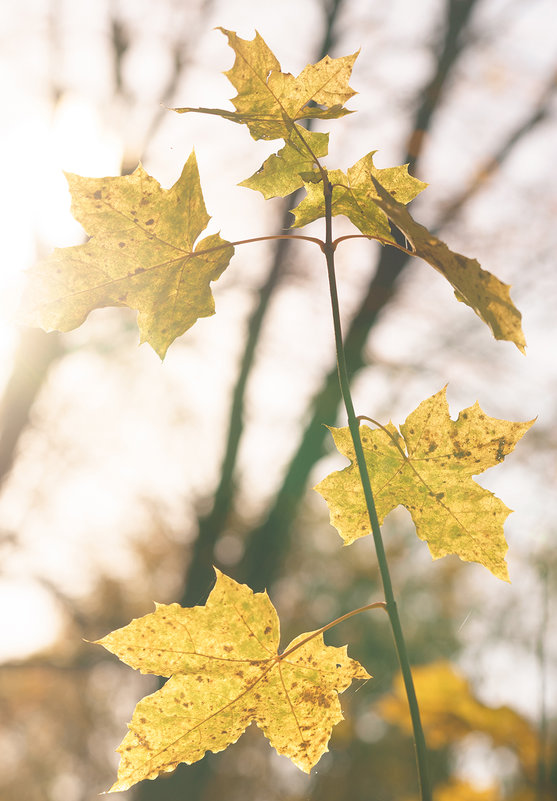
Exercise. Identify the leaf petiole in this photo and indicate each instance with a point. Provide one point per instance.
(387, 432)
(380, 239)
(375, 605)
(313, 239)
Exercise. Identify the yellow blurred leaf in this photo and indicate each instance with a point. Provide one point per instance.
(462, 791)
(450, 711)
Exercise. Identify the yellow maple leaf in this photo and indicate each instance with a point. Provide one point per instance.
(354, 197)
(141, 254)
(225, 672)
(282, 172)
(270, 101)
(429, 470)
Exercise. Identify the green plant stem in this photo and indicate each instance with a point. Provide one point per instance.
(354, 426)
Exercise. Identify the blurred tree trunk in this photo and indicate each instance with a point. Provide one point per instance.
(34, 357)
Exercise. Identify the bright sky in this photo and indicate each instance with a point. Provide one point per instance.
(85, 134)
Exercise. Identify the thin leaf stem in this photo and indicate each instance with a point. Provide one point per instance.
(380, 239)
(376, 605)
(354, 426)
(313, 239)
(387, 432)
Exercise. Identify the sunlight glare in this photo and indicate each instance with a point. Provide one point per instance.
(36, 204)
(33, 623)
(78, 143)
(36, 201)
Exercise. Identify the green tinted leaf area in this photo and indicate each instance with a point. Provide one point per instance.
(284, 172)
(428, 469)
(354, 195)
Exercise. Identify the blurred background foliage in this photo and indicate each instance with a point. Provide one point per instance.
(123, 482)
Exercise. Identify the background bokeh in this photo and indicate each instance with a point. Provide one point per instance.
(124, 480)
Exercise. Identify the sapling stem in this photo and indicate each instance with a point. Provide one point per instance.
(354, 426)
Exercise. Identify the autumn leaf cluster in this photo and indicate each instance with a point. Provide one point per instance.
(147, 251)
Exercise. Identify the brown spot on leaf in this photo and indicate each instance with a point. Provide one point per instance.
(98, 194)
(150, 222)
